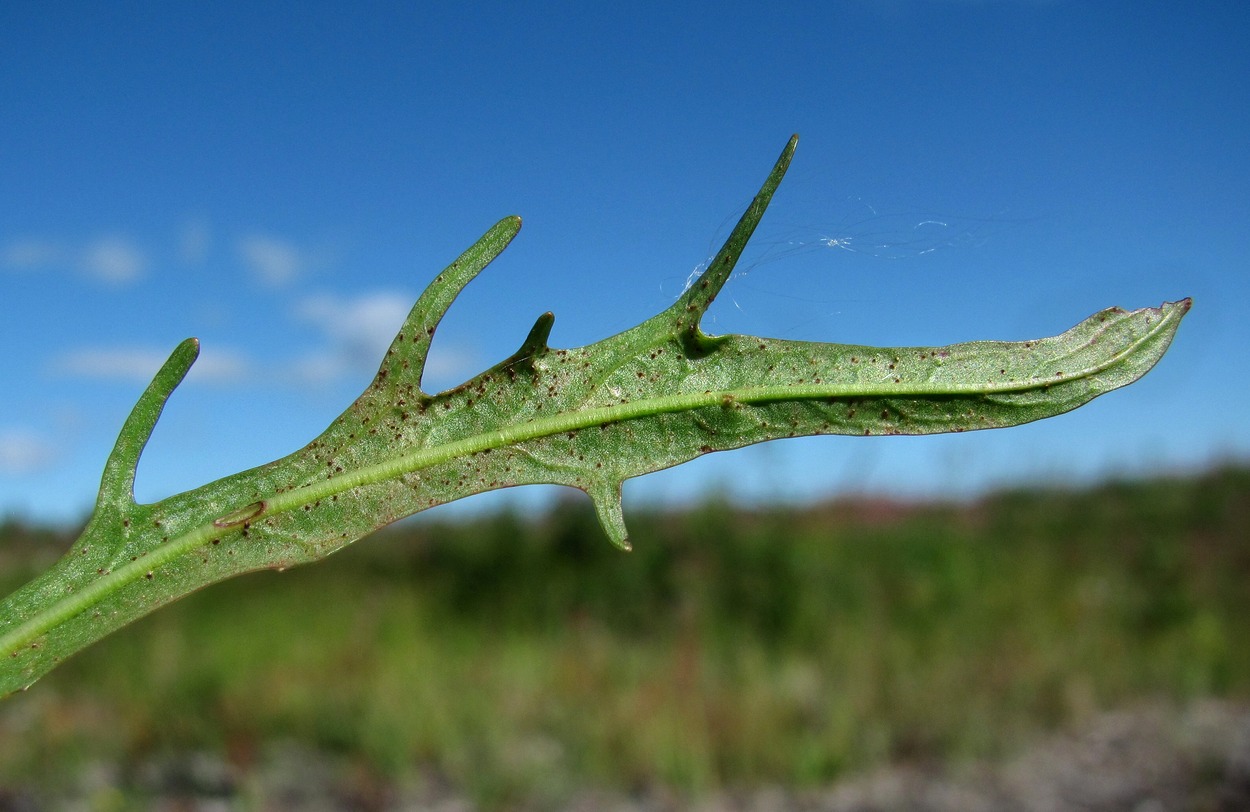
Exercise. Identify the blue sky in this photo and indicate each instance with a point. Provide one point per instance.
(282, 180)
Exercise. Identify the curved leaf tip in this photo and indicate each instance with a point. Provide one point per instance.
(418, 328)
(118, 480)
(690, 308)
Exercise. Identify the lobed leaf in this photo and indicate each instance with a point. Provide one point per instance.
(652, 397)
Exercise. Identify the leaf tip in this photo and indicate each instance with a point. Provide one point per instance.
(411, 346)
(536, 341)
(699, 296)
(117, 483)
(184, 355)
(607, 500)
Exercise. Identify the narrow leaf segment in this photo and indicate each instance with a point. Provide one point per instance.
(652, 397)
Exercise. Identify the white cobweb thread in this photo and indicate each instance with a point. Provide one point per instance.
(863, 229)
(859, 228)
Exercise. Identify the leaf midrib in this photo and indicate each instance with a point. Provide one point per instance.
(569, 421)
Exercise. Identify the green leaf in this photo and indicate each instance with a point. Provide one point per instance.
(652, 397)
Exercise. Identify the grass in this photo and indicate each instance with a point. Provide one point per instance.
(525, 658)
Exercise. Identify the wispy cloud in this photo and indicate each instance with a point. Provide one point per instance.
(114, 260)
(115, 363)
(355, 332)
(139, 364)
(359, 329)
(194, 242)
(274, 262)
(119, 259)
(24, 452)
(30, 253)
(362, 325)
(220, 366)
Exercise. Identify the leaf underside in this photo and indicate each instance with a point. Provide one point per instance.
(646, 399)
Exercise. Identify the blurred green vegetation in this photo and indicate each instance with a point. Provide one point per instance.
(524, 656)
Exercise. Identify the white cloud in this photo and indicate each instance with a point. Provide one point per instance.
(23, 452)
(447, 366)
(140, 364)
(114, 260)
(359, 330)
(194, 241)
(28, 254)
(363, 325)
(274, 262)
(118, 364)
(221, 366)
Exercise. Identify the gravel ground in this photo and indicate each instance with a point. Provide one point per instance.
(1142, 761)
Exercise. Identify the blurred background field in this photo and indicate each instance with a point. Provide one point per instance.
(521, 659)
